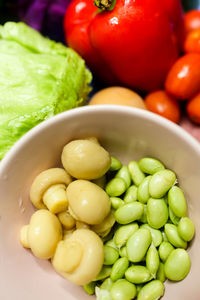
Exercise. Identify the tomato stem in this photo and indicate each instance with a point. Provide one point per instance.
(105, 4)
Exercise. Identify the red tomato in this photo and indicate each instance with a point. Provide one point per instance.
(193, 109)
(162, 104)
(183, 79)
(133, 45)
(192, 42)
(192, 20)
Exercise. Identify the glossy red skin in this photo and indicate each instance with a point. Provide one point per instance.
(193, 109)
(135, 44)
(175, 11)
(192, 42)
(183, 79)
(192, 20)
(164, 105)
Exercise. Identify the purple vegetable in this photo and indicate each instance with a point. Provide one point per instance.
(44, 15)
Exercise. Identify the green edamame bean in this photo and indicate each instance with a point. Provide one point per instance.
(131, 194)
(125, 175)
(165, 239)
(155, 234)
(143, 218)
(104, 273)
(153, 290)
(161, 273)
(90, 288)
(161, 182)
(116, 202)
(124, 232)
(136, 174)
(129, 212)
(166, 199)
(119, 268)
(173, 236)
(105, 234)
(143, 190)
(137, 244)
(122, 289)
(107, 283)
(150, 165)
(152, 260)
(102, 293)
(115, 164)
(157, 213)
(177, 201)
(123, 252)
(111, 243)
(164, 250)
(177, 266)
(138, 274)
(175, 220)
(139, 287)
(107, 237)
(110, 255)
(186, 229)
(115, 187)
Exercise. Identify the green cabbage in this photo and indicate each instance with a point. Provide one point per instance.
(39, 78)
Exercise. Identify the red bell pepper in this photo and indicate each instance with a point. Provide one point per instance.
(134, 44)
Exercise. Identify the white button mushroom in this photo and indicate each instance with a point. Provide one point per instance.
(55, 179)
(104, 227)
(92, 139)
(85, 159)
(66, 220)
(24, 236)
(67, 233)
(87, 201)
(42, 234)
(80, 257)
(55, 198)
(80, 225)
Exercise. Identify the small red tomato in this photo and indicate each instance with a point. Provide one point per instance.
(183, 79)
(192, 20)
(193, 109)
(162, 104)
(192, 42)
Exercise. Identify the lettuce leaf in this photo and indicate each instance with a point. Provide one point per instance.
(39, 78)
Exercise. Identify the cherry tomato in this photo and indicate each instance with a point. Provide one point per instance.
(192, 42)
(162, 104)
(193, 109)
(183, 79)
(192, 20)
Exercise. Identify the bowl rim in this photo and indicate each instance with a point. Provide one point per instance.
(106, 108)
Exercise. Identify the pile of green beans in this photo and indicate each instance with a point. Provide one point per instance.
(148, 241)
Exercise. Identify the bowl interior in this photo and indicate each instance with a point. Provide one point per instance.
(128, 134)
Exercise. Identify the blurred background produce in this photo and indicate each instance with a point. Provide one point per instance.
(119, 96)
(45, 16)
(39, 78)
(125, 45)
(191, 4)
(160, 88)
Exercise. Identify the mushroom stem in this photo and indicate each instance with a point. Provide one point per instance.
(55, 198)
(44, 181)
(68, 256)
(24, 236)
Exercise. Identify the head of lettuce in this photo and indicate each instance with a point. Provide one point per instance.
(39, 78)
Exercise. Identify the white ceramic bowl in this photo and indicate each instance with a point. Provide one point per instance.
(127, 133)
